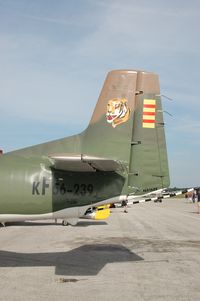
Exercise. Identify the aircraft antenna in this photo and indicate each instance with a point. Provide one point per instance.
(161, 111)
(162, 95)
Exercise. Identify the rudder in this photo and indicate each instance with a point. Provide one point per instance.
(148, 167)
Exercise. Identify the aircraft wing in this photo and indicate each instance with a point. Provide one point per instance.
(83, 163)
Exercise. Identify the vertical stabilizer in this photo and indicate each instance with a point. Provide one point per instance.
(127, 125)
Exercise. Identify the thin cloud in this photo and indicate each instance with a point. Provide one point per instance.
(146, 29)
(49, 20)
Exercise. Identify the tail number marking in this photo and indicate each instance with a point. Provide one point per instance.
(40, 187)
(77, 189)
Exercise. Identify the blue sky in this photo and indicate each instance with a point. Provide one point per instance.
(54, 56)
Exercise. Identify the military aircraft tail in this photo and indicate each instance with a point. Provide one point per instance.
(126, 129)
(127, 125)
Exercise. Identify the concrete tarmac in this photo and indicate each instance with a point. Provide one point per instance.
(150, 253)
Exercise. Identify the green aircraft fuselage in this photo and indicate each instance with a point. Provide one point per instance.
(29, 186)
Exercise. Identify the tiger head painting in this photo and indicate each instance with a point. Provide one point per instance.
(117, 111)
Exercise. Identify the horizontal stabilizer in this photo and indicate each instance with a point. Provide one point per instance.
(83, 163)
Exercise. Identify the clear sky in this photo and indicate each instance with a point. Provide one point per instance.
(54, 56)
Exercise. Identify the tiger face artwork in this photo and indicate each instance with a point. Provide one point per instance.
(117, 111)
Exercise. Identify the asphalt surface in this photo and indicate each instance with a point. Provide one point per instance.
(150, 253)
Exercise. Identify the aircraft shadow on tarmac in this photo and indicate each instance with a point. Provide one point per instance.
(83, 261)
(35, 223)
